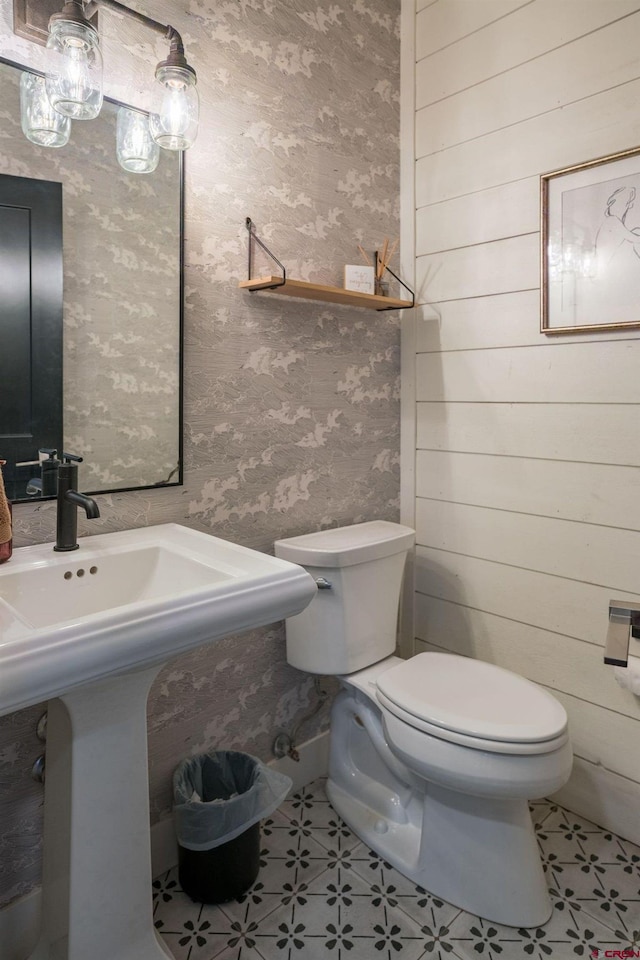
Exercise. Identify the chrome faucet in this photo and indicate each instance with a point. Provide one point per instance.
(68, 502)
(624, 623)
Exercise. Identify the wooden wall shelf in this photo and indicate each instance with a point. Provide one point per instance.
(317, 291)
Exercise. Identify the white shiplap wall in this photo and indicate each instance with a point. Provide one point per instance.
(528, 448)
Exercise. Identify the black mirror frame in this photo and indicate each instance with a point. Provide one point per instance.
(181, 177)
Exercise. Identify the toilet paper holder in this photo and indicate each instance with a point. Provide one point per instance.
(624, 623)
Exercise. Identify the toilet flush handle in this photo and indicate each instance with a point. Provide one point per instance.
(323, 584)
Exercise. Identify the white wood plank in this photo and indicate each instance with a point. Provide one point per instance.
(603, 737)
(590, 433)
(584, 492)
(499, 267)
(605, 798)
(600, 555)
(569, 607)
(599, 61)
(502, 320)
(494, 214)
(589, 372)
(447, 21)
(510, 41)
(563, 664)
(594, 127)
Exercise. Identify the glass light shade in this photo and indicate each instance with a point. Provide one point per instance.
(74, 81)
(137, 151)
(175, 108)
(40, 122)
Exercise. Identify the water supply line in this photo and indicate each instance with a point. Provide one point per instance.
(284, 744)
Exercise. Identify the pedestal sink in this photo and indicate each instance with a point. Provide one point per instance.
(89, 632)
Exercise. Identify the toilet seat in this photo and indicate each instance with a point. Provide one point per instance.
(513, 747)
(473, 703)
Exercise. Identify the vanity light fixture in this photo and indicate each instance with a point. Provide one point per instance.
(74, 84)
(136, 149)
(41, 124)
(173, 120)
(74, 78)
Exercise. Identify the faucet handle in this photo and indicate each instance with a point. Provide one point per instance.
(49, 472)
(71, 458)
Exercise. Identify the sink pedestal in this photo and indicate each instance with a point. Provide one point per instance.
(97, 898)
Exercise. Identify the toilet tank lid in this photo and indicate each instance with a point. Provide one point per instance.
(345, 546)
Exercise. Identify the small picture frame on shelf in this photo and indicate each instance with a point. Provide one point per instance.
(359, 278)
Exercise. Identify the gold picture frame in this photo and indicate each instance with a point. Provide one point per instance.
(590, 245)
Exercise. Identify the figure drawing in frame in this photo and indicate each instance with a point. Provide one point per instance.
(592, 250)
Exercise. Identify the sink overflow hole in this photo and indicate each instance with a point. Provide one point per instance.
(80, 573)
(93, 569)
(68, 575)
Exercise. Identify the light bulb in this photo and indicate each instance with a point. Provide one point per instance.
(74, 82)
(136, 151)
(40, 122)
(173, 120)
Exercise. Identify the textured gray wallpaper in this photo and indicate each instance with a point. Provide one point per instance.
(291, 408)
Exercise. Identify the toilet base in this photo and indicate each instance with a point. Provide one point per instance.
(477, 853)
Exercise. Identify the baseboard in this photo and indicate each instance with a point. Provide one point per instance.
(604, 797)
(313, 763)
(19, 927)
(20, 920)
(164, 847)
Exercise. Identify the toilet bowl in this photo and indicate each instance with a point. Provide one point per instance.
(433, 759)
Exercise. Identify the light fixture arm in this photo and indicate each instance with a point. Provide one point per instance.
(176, 47)
(163, 28)
(176, 56)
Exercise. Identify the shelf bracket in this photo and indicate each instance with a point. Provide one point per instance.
(388, 269)
(254, 237)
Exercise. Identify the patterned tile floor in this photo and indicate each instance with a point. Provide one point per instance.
(323, 895)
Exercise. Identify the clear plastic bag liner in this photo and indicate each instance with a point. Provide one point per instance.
(217, 796)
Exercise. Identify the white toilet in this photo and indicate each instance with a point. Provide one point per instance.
(432, 759)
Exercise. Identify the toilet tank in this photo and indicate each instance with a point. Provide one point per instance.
(352, 623)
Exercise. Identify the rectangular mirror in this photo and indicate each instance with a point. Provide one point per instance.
(121, 310)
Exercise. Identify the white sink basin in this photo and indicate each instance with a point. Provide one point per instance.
(88, 631)
(129, 600)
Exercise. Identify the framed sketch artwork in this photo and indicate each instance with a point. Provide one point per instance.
(591, 245)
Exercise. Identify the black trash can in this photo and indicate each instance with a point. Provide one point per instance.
(219, 800)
